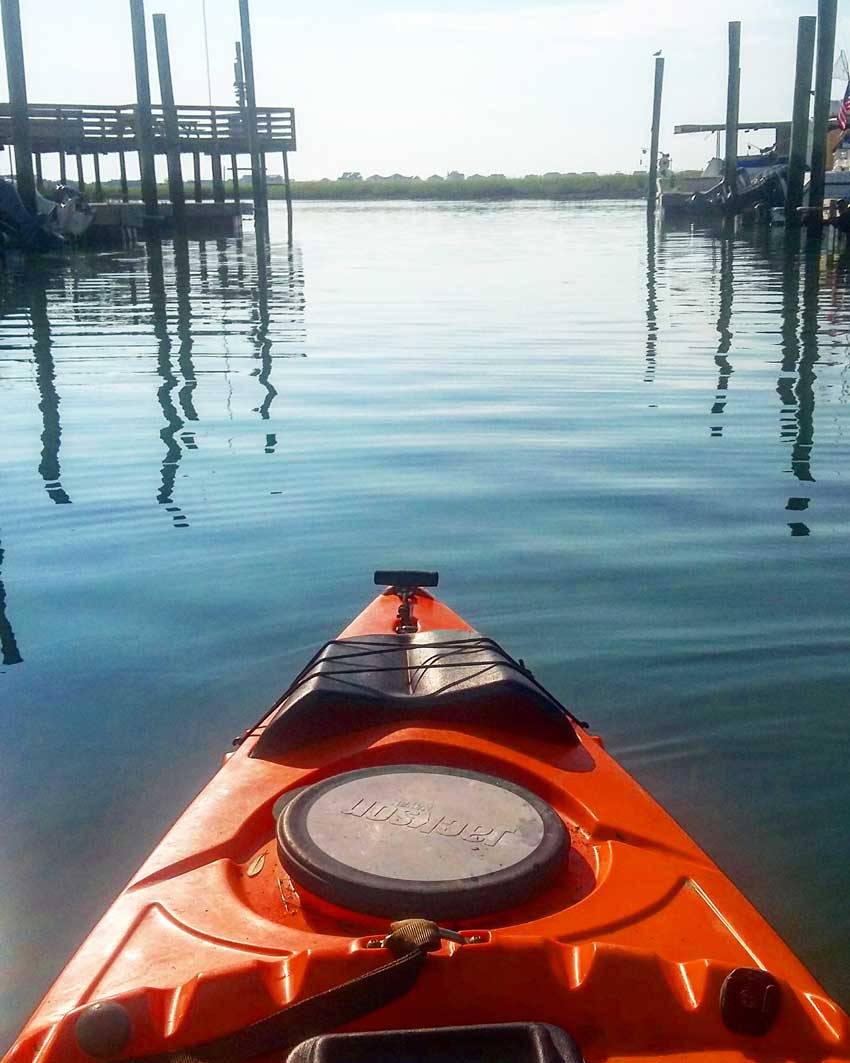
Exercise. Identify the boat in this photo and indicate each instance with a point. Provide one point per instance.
(58, 221)
(418, 853)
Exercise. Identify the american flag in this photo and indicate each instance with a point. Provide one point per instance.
(844, 109)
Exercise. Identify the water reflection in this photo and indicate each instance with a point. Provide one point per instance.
(651, 302)
(166, 290)
(724, 329)
(8, 644)
(799, 271)
(45, 376)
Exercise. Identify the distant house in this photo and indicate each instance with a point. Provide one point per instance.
(274, 179)
(455, 175)
(497, 176)
(553, 175)
(351, 175)
(390, 177)
(436, 177)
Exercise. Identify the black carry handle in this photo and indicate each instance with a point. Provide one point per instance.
(407, 578)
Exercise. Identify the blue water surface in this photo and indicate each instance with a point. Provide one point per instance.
(627, 453)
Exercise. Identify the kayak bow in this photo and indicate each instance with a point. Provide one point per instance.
(545, 907)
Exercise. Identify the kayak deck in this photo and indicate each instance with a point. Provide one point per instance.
(627, 945)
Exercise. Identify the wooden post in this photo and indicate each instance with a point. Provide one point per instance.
(39, 176)
(172, 132)
(733, 92)
(215, 161)
(98, 186)
(234, 169)
(122, 166)
(827, 10)
(260, 205)
(63, 169)
(652, 189)
(239, 78)
(144, 124)
(196, 175)
(81, 181)
(18, 108)
(288, 191)
(797, 160)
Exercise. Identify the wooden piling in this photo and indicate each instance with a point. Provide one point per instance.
(652, 187)
(239, 78)
(288, 191)
(81, 180)
(19, 111)
(217, 178)
(827, 10)
(797, 161)
(63, 169)
(172, 130)
(98, 185)
(39, 176)
(260, 205)
(215, 162)
(196, 177)
(122, 167)
(733, 93)
(144, 124)
(234, 171)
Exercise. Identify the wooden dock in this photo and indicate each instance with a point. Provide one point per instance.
(88, 132)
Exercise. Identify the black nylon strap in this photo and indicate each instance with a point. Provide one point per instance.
(308, 1018)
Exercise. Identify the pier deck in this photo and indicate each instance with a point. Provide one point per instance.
(89, 129)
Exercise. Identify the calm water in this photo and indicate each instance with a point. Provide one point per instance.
(630, 465)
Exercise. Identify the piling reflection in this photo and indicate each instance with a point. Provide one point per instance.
(260, 333)
(724, 330)
(8, 643)
(173, 421)
(45, 376)
(651, 302)
(804, 389)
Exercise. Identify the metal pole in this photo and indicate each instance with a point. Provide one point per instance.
(19, 111)
(260, 206)
(797, 160)
(172, 132)
(652, 189)
(733, 91)
(827, 10)
(144, 124)
(288, 190)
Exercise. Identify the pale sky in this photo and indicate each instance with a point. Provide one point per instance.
(425, 86)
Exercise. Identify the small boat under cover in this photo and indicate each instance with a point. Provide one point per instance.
(420, 854)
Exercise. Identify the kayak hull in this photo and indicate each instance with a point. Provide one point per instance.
(627, 947)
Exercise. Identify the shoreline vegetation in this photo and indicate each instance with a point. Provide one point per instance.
(495, 186)
(555, 186)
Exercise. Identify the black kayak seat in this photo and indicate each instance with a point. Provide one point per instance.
(456, 676)
(514, 1042)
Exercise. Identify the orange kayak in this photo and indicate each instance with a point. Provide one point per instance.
(419, 854)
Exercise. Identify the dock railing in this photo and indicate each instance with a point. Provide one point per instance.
(96, 129)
